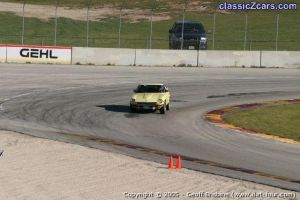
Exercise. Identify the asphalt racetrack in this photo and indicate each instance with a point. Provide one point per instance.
(79, 104)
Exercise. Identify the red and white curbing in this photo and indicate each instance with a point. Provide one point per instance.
(216, 117)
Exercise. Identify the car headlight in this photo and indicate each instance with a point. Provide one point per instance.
(203, 39)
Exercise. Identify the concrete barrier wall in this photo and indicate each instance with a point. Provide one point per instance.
(287, 59)
(166, 58)
(143, 57)
(2, 54)
(229, 58)
(103, 56)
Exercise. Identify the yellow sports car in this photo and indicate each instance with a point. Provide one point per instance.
(151, 97)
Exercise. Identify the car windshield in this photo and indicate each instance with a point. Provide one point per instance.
(149, 89)
(190, 28)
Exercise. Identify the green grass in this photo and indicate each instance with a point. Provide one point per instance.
(283, 121)
(229, 33)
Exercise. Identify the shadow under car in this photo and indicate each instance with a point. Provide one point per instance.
(122, 109)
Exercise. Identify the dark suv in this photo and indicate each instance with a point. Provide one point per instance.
(194, 35)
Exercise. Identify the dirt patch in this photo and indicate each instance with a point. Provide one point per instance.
(46, 12)
(199, 6)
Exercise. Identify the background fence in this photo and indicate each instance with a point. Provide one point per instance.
(146, 25)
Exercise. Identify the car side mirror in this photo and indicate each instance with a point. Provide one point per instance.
(171, 31)
(135, 91)
(167, 90)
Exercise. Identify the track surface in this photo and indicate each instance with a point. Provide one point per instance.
(49, 100)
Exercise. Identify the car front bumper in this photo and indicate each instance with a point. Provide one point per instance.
(145, 106)
(192, 44)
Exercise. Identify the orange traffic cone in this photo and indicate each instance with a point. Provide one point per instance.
(178, 164)
(171, 163)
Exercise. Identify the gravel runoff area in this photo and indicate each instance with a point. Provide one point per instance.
(33, 168)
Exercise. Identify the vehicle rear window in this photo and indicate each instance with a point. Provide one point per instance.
(149, 89)
(190, 28)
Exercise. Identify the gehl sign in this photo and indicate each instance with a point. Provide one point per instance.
(37, 53)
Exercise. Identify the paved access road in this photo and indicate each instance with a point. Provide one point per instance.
(56, 101)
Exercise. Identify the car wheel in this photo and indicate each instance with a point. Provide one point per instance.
(172, 46)
(133, 110)
(168, 107)
(163, 109)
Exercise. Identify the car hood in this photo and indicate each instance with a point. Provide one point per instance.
(147, 97)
